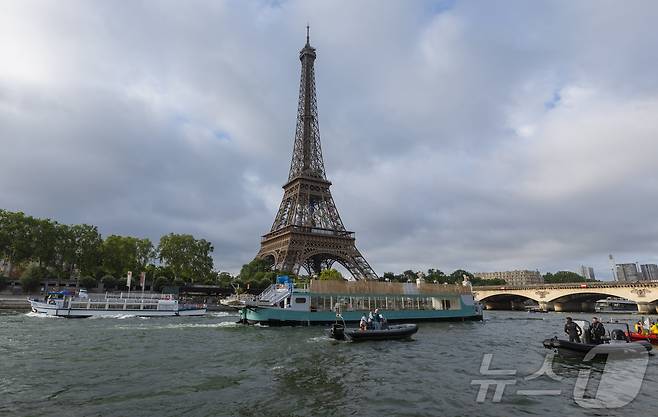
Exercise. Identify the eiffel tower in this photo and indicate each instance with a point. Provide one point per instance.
(307, 231)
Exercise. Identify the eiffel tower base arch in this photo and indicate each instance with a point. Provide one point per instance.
(314, 250)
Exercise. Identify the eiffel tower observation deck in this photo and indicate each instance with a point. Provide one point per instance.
(307, 231)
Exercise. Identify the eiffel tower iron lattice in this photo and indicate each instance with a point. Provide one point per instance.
(307, 231)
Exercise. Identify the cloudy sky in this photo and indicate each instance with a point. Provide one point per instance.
(484, 135)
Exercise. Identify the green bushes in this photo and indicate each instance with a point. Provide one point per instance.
(88, 282)
(109, 282)
(32, 277)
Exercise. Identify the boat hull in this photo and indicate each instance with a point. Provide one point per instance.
(651, 338)
(273, 316)
(394, 332)
(578, 350)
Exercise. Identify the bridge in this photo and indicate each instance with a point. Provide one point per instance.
(568, 297)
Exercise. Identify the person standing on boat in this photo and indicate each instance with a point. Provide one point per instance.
(573, 330)
(378, 320)
(597, 330)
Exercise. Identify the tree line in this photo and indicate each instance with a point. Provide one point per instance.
(438, 276)
(44, 248)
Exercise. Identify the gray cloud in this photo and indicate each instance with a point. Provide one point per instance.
(488, 136)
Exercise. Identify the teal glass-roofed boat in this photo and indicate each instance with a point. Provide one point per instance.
(284, 303)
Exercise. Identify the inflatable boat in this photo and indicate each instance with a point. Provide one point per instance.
(616, 343)
(392, 332)
(651, 338)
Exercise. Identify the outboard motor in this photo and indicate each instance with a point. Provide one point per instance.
(618, 335)
(338, 331)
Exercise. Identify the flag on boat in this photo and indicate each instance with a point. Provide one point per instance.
(130, 278)
(142, 279)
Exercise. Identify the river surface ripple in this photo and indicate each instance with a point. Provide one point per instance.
(210, 366)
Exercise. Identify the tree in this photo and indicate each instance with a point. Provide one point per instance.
(15, 238)
(409, 276)
(43, 234)
(119, 254)
(3, 282)
(160, 283)
(253, 268)
(32, 277)
(109, 282)
(459, 275)
(563, 277)
(88, 248)
(188, 258)
(88, 282)
(145, 253)
(331, 275)
(475, 281)
(435, 275)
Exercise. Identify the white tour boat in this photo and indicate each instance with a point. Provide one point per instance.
(65, 304)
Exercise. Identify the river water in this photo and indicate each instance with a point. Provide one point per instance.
(210, 366)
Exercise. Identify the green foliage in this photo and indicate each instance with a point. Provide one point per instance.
(161, 282)
(109, 282)
(331, 275)
(187, 257)
(88, 282)
(458, 275)
(126, 253)
(257, 274)
(32, 277)
(389, 276)
(561, 277)
(16, 237)
(64, 249)
(257, 265)
(477, 282)
(88, 247)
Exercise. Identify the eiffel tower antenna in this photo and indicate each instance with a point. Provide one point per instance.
(307, 230)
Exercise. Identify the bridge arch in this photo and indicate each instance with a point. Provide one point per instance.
(506, 301)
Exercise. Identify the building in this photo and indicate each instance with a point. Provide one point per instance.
(587, 272)
(517, 277)
(628, 273)
(649, 272)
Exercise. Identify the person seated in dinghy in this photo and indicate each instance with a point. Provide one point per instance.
(639, 327)
(654, 328)
(363, 324)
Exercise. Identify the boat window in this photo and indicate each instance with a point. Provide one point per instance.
(300, 300)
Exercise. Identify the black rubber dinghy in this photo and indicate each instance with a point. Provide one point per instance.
(393, 332)
(566, 348)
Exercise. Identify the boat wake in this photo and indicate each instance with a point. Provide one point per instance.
(222, 324)
(116, 316)
(43, 316)
(222, 314)
(318, 339)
